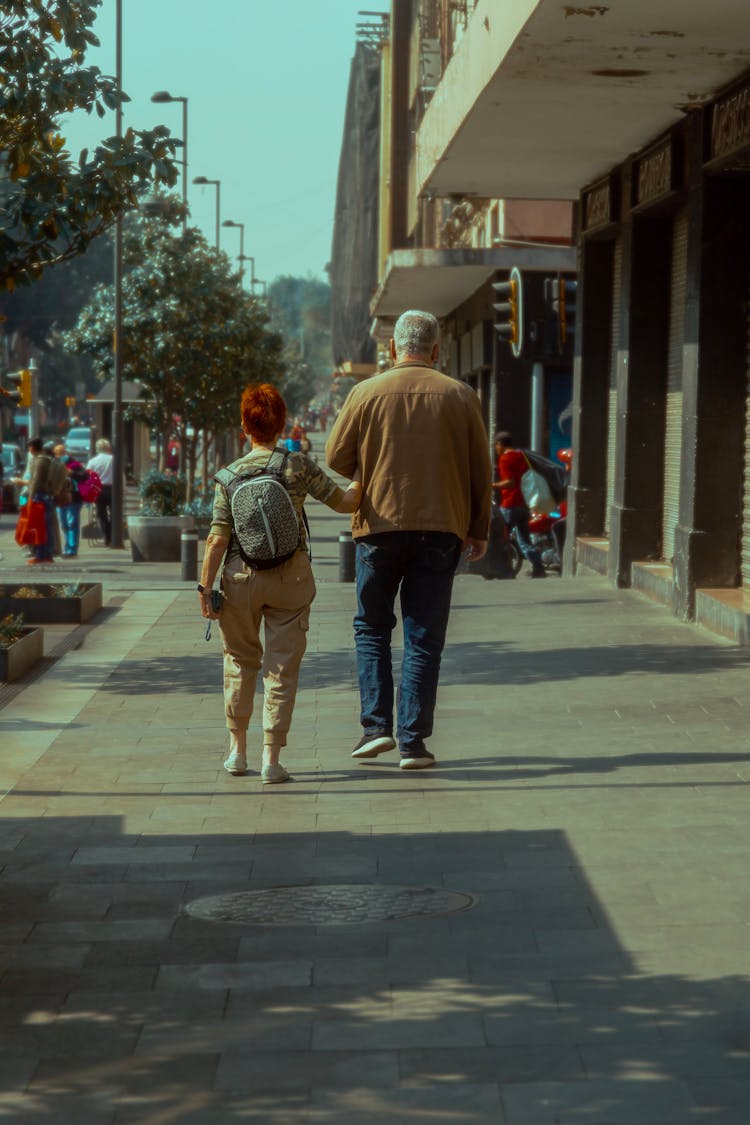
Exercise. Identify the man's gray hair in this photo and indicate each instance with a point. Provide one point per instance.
(103, 446)
(416, 333)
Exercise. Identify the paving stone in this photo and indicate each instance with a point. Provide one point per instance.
(609, 1103)
(140, 930)
(459, 1104)
(243, 975)
(290, 1070)
(446, 1065)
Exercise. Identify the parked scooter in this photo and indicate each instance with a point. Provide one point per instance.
(547, 532)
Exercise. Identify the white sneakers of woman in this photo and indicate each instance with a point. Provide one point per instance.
(236, 764)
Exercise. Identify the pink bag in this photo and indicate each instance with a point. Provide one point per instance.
(90, 488)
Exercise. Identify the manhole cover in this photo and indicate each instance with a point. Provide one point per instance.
(340, 904)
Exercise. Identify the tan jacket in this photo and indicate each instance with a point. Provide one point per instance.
(420, 443)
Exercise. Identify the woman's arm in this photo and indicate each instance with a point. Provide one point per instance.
(216, 547)
(351, 499)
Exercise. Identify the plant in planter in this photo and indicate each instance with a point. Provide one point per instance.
(20, 647)
(201, 508)
(155, 532)
(161, 494)
(70, 603)
(11, 629)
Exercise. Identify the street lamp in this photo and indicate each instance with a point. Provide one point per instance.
(164, 96)
(251, 259)
(118, 460)
(217, 185)
(231, 223)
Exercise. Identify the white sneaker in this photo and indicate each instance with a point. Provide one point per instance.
(274, 775)
(236, 764)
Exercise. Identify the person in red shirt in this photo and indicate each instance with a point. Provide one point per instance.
(510, 467)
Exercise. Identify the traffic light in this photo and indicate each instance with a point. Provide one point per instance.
(508, 306)
(561, 293)
(23, 393)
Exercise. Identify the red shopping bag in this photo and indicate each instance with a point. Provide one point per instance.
(31, 529)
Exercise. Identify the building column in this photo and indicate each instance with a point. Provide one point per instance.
(587, 490)
(707, 536)
(635, 525)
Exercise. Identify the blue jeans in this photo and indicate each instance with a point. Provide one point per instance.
(422, 564)
(518, 519)
(70, 522)
(45, 551)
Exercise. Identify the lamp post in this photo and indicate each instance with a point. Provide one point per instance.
(118, 460)
(162, 96)
(217, 185)
(251, 259)
(241, 259)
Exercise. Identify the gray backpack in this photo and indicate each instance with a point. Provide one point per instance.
(266, 528)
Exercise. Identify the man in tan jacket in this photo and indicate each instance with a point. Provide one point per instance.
(416, 439)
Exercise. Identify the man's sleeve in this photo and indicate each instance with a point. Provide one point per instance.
(480, 474)
(341, 447)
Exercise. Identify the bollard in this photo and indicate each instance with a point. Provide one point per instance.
(347, 551)
(189, 555)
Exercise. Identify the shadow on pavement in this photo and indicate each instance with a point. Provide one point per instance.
(524, 1010)
(480, 662)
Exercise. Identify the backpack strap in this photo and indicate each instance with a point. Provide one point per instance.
(225, 477)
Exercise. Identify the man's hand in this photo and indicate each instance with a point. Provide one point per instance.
(477, 548)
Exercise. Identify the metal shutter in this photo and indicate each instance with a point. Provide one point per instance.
(612, 409)
(673, 417)
(745, 562)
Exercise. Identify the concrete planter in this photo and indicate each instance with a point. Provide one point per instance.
(51, 609)
(157, 538)
(23, 654)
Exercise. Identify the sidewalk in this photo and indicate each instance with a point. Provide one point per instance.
(591, 798)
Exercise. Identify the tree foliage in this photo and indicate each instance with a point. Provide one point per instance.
(301, 314)
(191, 336)
(51, 204)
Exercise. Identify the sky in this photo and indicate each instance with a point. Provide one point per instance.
(266, 83)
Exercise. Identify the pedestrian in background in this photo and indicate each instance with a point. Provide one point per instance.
(48, 478)
(70, 514)
(417, 440)
(278, 598)
(102, 464)
(511, 465)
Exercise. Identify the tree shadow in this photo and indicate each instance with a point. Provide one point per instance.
(116, 1005)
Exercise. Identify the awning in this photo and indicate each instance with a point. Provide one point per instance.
(542, 98)
(438, 281)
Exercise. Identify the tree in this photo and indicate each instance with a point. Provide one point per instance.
(191, 336)
(52, 206)
(301, 313)
(35, 316)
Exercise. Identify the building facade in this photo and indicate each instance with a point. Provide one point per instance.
(638, 115)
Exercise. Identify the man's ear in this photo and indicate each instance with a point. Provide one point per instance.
(435, 353)
(392, 348)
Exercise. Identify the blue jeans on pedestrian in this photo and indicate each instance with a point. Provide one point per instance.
(70, 522)
(421, 564)
(45, 550)
(518, 519)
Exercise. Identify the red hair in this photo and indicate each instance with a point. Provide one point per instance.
(263, 412)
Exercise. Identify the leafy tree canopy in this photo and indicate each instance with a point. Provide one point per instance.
(52, 205)
(301, 314)
(191, 336)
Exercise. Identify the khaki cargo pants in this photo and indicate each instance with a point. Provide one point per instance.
(280, 599)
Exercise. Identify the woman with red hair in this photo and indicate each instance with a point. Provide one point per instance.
(279, 598)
